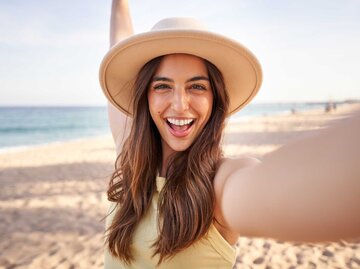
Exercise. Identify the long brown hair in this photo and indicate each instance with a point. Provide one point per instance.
(186, 203)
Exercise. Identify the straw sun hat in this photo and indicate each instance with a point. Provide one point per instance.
(120, 66)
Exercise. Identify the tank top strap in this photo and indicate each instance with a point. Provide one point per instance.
(160, 182)
(222, 246)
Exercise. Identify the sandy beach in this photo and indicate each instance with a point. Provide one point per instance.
(53, 201)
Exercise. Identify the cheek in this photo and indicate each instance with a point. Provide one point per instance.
(155, 105)
(205, 104)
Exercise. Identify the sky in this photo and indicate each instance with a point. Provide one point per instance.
(50, 51)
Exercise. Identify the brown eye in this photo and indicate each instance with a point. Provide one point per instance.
(161, 86)
(198, 87)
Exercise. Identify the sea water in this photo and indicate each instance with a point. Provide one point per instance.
(28, 126)
(25, 126)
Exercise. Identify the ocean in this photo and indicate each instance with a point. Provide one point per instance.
(29, 126)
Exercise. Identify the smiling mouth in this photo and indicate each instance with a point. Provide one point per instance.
(180, 126)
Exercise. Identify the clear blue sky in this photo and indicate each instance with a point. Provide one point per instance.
(50, 51)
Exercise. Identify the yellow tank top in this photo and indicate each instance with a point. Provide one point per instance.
(212, 251)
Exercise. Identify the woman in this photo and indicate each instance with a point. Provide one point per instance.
(176, 202)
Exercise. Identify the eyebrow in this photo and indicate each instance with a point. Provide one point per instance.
(162, 79)
(198, 78)
(156, 78)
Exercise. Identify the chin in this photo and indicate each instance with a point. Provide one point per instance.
(178, 148)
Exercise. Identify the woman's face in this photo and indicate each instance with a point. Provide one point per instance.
(180, 100)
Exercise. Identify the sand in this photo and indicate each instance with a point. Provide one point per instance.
(52, 200)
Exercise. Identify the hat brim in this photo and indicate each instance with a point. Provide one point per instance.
(120, 66)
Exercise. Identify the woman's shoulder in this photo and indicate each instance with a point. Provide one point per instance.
(242, 161)
(227, 166)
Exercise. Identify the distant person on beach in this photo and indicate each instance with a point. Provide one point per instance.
(330, 107)
(176, 201)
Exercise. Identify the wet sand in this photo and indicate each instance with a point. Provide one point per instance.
(52, 200)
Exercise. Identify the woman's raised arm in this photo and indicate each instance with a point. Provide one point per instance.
(120, 28)
(308, 190)
(120, 21)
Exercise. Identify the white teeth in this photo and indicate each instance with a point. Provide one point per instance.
(179, 122)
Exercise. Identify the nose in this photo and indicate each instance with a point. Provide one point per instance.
(180, 100)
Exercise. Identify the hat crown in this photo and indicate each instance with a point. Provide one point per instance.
(179, 23)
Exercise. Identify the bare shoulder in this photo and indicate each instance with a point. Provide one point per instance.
(230, 165)
(227, 166)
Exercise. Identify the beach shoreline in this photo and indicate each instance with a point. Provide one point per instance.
(27, 127)
(20, 148)
(53, 199)
(232, 121)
